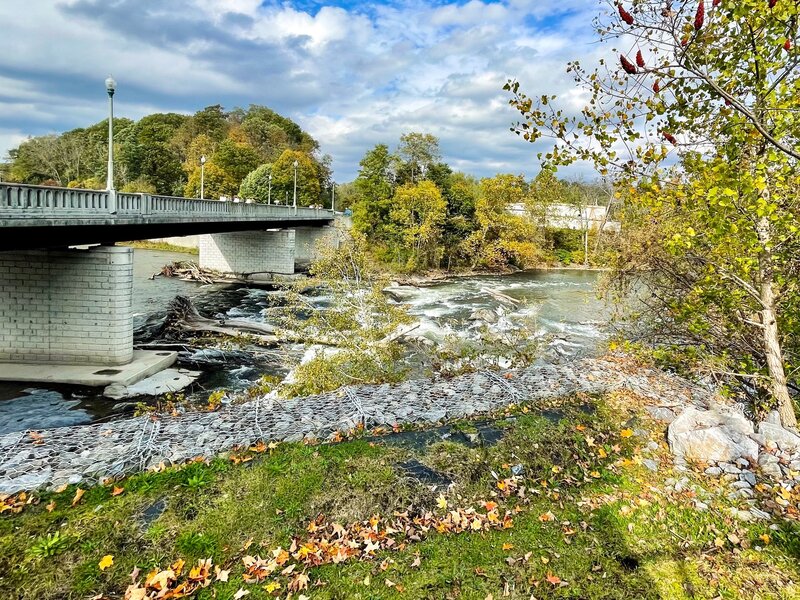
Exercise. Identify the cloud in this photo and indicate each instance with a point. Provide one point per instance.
(352, 74)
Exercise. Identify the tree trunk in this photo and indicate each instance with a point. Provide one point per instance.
(771, 335)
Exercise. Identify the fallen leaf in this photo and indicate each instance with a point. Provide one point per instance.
(272, 586)
(507, 546)
(117, 490)
(441, 502)
(626, 433)
(221, 574)
(106, 562)
(553, 579)
(78, 495)
(240, 594)
(51, 505)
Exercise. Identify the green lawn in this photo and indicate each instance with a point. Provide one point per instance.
(589, 521)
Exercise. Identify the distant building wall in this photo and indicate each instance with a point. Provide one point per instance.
(566, 216)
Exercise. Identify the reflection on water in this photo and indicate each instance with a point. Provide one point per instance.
(563, 302)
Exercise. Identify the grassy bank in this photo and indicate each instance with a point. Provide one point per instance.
(163, 246)
(563, 508)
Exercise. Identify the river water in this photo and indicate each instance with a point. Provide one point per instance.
(569, 318)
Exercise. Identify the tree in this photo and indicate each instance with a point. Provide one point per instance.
(283, 178)
(502, 238)
(374, 189)
(236, 159)
(216, 183)
(418, 212)
(417, 153)
(716, 235)
(257, 184)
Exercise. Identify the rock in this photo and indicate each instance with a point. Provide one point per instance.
(773, 417)
(718, 434)
(766, 458)
(772, 470)
(744, 515)
(785, 439)
(701, 506)
(749, 477)
(740, 485)
(650, 464)
(484, 314)
(168, 380)
(713, 471)
(759, 514)
(660, 413)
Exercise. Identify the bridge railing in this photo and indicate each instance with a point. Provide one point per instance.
(39, 200)
(31, 201)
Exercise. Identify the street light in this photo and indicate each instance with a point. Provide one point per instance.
(111, 87)
(269, 190)
(295, 187)
(202, 176)
(333, 196)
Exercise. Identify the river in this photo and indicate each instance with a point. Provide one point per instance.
(568, 316)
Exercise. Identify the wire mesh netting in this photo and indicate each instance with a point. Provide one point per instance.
(51, 458)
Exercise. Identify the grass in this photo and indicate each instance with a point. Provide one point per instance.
(163, 246)
(616, 533)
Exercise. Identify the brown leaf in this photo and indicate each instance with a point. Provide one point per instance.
(78, 495)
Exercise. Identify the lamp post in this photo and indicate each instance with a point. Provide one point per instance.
(333, 196)
(111, 87)
(202, 176)
(269, 190)
(294, 203)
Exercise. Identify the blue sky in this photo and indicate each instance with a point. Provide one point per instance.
(353, 74)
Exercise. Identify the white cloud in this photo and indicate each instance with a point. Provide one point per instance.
(353, 77)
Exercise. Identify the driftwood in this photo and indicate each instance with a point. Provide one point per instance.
(183, 315)
(503, 298)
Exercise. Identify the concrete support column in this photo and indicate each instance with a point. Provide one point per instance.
(307, 242)
(67, 307)
(249, 252)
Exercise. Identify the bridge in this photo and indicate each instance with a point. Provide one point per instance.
(62, 305)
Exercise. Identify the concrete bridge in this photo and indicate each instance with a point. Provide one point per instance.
(61, 305)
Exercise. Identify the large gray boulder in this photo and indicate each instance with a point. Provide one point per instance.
(785, 439)
(719, 434)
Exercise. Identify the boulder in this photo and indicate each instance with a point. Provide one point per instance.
(484, 314)
(719, 434)
(785, 439)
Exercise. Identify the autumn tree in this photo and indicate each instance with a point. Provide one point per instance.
(713, 234)
(418, 213)
(283, 178)
(504, 235)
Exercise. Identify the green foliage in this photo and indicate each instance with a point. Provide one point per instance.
(502, 238)
(357, 322)
(161, 153)
(715, 236)
(283, 179)
(418, 214)
(257, 184)
(48, 546)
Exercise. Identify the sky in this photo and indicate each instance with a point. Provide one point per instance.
(353, 74)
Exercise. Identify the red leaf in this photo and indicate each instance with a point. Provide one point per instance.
(630, 69)
(656, 87)
(625, 15)
(640, 59)
(700, 16)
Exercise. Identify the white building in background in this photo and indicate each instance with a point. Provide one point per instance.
(568, 216)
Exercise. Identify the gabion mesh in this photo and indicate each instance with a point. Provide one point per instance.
(89, 453)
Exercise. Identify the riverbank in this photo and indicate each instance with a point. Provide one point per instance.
(552, 496)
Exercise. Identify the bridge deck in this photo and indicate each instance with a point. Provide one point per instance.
(39, 217)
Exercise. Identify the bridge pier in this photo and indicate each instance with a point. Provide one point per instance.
(249, 252)
(307, 241)
(67, 306)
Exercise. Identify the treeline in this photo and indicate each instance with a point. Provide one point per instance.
(161, 153)
(419, 214)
